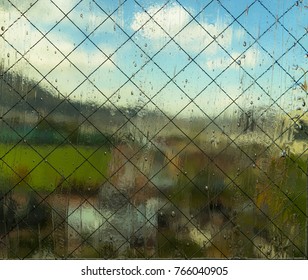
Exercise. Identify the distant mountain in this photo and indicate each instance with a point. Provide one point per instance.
(21, 94)
(24, 104)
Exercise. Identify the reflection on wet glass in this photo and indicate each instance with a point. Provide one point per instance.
(132, 131)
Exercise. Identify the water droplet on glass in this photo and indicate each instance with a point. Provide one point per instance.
(239, 62)
(206, 188)
(146, 159)
(8, 55)
(300, 127)
(81, 15)
(2, 28)
(244, 44)
(145, 45)
(173, 214)
(283, 153)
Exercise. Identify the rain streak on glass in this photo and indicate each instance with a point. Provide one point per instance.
(142, 129)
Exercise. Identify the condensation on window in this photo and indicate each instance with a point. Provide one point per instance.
(153, 129)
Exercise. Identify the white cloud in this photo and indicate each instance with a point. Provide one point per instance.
(249, 59)
(87, 62)
(21, 5)
(195, 37)
(27, 42)
(240, 33)
(66, 5)
(173, 19)
(38, 12)
(51, 14)
(90, 21)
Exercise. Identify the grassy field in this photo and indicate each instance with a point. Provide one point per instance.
(247, 203)
(45, 167)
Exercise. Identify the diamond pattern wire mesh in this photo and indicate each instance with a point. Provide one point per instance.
(162, 187)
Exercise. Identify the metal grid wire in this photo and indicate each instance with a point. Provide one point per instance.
(118, 244)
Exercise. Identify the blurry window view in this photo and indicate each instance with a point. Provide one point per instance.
(153, 129)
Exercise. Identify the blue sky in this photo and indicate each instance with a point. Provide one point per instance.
(125, 42)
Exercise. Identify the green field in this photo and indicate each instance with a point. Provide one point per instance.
(46, 167)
